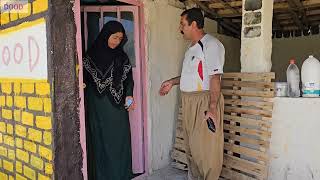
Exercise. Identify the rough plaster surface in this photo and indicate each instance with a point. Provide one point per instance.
(294, 149)
(299, 48)
(165, 49)
(165, 52)
(256, 52)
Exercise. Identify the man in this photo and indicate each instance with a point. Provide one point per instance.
(201, 92)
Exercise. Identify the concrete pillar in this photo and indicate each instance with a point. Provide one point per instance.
(256, 35)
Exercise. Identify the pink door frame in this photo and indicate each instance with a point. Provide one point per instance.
(143, 72)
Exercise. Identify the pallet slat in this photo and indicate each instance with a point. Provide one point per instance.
(263, 144)
(233, 175)
(179, 156)
(262, 85)
(248, 121)
(239, 102)
(245, 166)
(264, 135)
(251, 76)
(246, 151)
(247, 111)
(267, 94)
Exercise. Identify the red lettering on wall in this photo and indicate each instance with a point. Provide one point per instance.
(5, 55)
(18, 60)
(33, 58)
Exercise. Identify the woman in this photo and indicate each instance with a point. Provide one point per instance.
(109, 85)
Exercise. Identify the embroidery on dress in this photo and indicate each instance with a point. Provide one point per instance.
(103, 83)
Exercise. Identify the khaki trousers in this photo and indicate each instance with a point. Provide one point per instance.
(204, 148)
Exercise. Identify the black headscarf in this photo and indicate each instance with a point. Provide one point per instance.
(108, 67)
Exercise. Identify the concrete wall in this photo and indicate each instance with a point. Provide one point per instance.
(165, 49)
(165, 52)
(299, 48)
(294, 150)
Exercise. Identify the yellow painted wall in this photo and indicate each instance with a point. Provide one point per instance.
(26, 150)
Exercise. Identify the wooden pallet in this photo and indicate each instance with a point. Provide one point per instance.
(178, 153)
(247, 124)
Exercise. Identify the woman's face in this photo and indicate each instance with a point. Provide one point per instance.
(115, 39)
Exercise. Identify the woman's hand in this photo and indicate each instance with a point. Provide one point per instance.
(132, 104)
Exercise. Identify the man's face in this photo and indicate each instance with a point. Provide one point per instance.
(185, 28)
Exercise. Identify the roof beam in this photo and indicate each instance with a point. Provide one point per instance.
(223, 22)
(295, 15)
(281, 6)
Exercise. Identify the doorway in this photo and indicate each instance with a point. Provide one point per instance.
(93, 17)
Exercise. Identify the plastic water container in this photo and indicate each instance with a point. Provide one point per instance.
(310, 77)
(293, 79)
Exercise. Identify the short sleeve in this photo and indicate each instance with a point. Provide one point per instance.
(214, 57)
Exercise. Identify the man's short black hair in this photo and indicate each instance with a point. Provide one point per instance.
(194, 14)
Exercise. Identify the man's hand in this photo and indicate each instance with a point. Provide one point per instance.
(213, 116)
(165, 87)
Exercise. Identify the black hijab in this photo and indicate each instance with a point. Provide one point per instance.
(108, 68)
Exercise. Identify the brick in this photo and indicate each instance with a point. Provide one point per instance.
(11, 154)
(17, 88)
(10, 129)
(9, 101)
(21, 131)
(29, 173)
(27, 88)
(42, 177)
(7, 114)
(26, 11)
(13, 16)
(2, 100)
(40, 6)
(30, 146)
(3, 176)
(36, 162)
(0, 163)
(4, 18)
(6, 87)
(43, 89)
(9, 140)
(3, 151)
(43, 122)
(18, 166)
(22, 155)
(47, 138)
(35, 104)
(11, 178)
(8, 165)
(19, 177)
(27, 118)
(47, 105)
(1, 138)
(45, 153)
(20, 101)
(34, 135)
(48, 168)
(3, 127)
(17, 115)
(19, 143)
